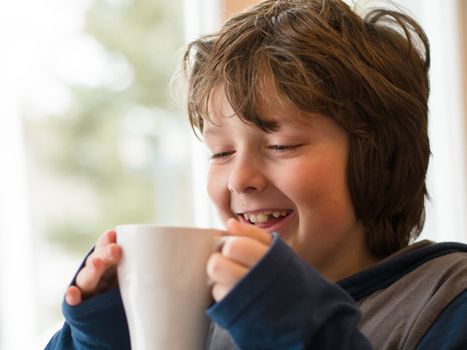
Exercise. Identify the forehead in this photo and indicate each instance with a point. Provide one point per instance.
(267, 109)
(286, 121)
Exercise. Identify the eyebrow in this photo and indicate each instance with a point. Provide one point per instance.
(267, 125)
(212, 130)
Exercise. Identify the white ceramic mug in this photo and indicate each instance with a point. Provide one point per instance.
(164, 285)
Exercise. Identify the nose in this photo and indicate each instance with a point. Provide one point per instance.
(246, 176)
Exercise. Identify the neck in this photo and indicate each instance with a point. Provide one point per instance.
(352, 257)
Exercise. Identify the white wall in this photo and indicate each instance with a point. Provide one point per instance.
(447, 175)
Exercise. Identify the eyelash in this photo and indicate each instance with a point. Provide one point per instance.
(282, 148)
(277, 148)
(221, 155)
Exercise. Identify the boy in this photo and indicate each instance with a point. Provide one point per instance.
(316, 121)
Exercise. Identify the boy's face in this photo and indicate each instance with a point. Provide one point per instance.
(292, 181)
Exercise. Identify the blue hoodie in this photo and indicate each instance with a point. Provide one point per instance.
(283, 303)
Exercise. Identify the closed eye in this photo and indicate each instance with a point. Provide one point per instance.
(282, 148)
(221, 154)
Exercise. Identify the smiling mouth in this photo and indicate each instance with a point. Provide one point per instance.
(264, 218)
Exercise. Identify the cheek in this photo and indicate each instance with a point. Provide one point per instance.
(212, 186)
(321, 193)
(217, 189)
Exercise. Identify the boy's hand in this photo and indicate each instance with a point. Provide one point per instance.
(244, 246)
(100, 271)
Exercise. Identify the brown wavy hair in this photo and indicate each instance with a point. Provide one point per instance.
(368, 73)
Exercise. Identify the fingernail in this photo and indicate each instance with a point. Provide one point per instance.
(109, 251)
(219, 243)
(234, 220)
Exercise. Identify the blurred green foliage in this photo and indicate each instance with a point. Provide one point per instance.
(78, 151)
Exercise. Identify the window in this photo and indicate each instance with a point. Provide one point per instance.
(90, 139)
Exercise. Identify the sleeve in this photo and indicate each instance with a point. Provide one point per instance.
(97, 323)
(448, 332)
(283, 303)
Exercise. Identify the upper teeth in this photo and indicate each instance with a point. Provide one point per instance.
(264, 216)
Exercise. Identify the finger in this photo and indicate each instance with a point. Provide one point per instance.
(108, 280)
(98, 264)
(110, 254)
(88, 278)
(108, 237)
(244, 250)
(235, 227)
(73, 296)
(222, 270)
(219, 291)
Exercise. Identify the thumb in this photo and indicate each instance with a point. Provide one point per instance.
(235, 227)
